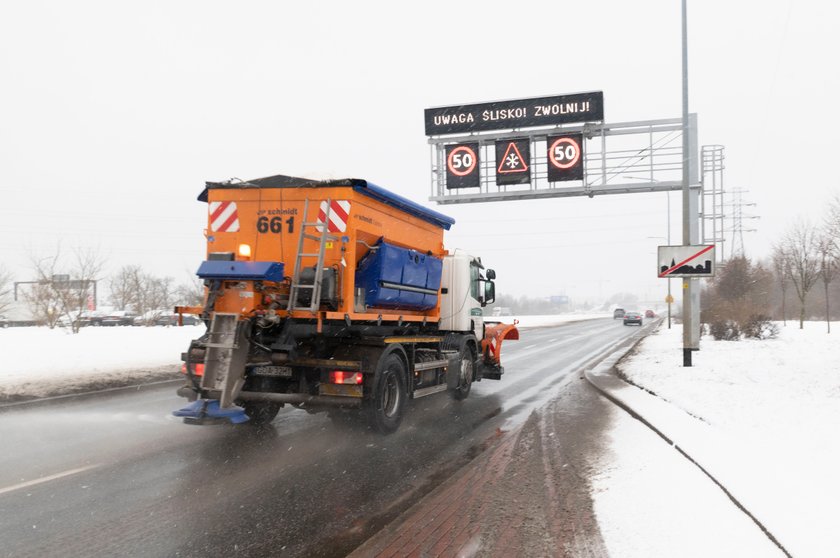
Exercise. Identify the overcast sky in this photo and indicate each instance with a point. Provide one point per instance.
(113, 115)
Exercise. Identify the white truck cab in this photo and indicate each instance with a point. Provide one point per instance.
(464, 292)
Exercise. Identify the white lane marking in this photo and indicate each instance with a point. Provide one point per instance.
(531, 346)
(47, 479)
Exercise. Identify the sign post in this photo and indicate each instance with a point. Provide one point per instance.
(688, 262)
(691, 291)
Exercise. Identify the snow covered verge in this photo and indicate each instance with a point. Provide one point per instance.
(40, 362)
(761, 417)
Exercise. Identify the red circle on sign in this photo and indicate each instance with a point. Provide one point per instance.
(571, 162)
(473, 161)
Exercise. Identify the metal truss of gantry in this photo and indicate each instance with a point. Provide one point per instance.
(712, 228)
(618, 158)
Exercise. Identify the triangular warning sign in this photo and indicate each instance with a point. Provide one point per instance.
(512, 161)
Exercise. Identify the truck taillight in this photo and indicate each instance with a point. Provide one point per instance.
(198, 369)
(344, 377)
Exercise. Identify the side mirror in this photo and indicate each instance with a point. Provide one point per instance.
(489, 293)
(491, 274)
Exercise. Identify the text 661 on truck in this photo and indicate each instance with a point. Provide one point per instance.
(333, 296)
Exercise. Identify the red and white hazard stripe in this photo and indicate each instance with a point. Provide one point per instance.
(339, 213)
(224, 217)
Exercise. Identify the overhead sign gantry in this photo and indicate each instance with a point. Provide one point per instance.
(560, 146)
(554, 146)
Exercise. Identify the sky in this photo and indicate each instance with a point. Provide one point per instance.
(114, 114)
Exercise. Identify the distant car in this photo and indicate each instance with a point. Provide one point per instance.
(4, 321)
(502, 311)
(632, 318)
(171, 319)
(90, 318)
(618, 313)
(649, 314)
(118, 318)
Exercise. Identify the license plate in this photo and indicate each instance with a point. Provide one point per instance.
(281, 371)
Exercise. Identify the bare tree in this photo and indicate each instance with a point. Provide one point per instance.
(144, 293)
(737, 295)
(800, 248)
(6, 285)
(58, 295)
(160, 292)
(832, 220)
(782, 271)
(190, 293)
(43, 303)
(828, 254)
(122, 287)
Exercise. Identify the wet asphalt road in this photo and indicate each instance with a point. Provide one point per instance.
(118, 476)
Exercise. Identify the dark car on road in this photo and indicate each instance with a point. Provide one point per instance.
(632, 318)
(90, 318)
(119, 318)
(618, 313)
(172, 320)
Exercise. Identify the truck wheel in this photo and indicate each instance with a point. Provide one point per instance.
(261, 412)
(387, 404)
(465, 373)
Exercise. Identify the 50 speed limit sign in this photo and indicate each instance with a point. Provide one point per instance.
(462, 166)
(565, 157)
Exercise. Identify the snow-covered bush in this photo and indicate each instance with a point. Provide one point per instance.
(760, 326)
(725, 330)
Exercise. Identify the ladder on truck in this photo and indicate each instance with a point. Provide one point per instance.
(321, 238)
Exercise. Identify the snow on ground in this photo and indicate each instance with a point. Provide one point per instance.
(38, 361)
(761, 416)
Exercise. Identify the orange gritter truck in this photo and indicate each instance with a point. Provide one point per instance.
(334, 296)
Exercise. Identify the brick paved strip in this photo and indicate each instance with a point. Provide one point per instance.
(526, 496)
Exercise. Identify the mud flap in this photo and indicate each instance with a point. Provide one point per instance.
(453, 369)
(208, 411)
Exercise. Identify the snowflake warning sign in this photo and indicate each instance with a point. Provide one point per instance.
(513, 158)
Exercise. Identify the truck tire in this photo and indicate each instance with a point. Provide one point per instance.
(386, 406)
(466, 371)
(261, 412)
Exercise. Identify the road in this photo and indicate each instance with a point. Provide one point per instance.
(118, 476)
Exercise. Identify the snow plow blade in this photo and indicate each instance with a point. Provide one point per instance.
(207, 411)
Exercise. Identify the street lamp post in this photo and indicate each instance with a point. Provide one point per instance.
(668, 234)
(670, 298)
